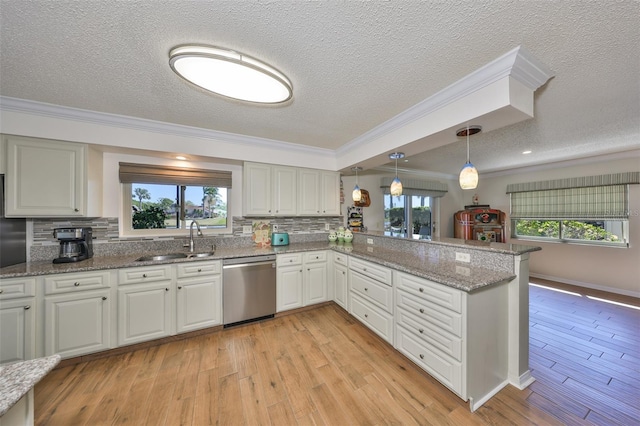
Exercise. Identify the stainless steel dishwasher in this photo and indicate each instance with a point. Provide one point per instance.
(248, 289)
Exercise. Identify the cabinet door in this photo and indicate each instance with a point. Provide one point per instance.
(341, 285)
(77, 323)
(315, 283)
(257, 189)
(45, 178)
(285, 191)
(17, 330)
(199, 303)
(289, 288)
(308, 192)
(330, 193)
(144, 312)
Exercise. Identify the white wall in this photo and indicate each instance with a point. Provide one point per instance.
(607, 268)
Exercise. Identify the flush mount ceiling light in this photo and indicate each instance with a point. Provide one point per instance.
(468, 175)
(231, 74)
(357, 194)
(396, 185)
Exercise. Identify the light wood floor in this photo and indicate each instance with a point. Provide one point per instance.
(323, 367)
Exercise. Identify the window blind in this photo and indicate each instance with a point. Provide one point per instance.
(602, 197)
(154, 174)
(410, 187)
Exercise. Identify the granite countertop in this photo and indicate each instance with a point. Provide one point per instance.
(19, 378)
(454, 274)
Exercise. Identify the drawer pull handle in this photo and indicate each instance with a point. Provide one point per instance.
(76, 284)
(179, 287)
(144, 275)
(104, 297)
(366, 315)
(421, 290)
(421, 331)
(421, 311)
(26, 308)
(421, 356)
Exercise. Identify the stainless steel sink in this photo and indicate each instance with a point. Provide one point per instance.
(160, 257)
(170, 256)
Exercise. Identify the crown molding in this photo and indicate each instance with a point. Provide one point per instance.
(141, 124)
(517, 63)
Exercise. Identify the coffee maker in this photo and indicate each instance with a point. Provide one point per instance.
(75, 244)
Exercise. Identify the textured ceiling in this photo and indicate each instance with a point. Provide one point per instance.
(354, 65)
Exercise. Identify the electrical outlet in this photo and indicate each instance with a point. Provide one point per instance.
(370, 249)
(463, 270)
(274, 227)
(369, 240)
(246, 229)
(326, 227)
(463, 257)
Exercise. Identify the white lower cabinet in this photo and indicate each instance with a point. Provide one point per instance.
(17, 319)
(77, 313)
(145, 299)
(301, 279)
(371, 294)
(341, 285)
(199, 296)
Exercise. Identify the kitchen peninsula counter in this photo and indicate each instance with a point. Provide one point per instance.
(426, 261)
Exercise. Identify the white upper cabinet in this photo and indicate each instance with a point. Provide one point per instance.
(269, 190)
(52, 179)
(318, 193)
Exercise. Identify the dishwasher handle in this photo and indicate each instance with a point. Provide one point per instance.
(243, 265)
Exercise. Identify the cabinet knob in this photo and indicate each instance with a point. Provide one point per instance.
(364, 269)
(366, 289)
(26, 308)
(344, 273)
(421, 290)
(199, 270)
(300, 270)
(166, 289)
(308, 269)
(421, 311)
(179, 287)
(104, 297)
(421, 331)
(144, 275)
(1, 291)
(366, 315)
(76, 284)
(277, 211)
(76, 210)
(421, 356)
(317, 257)
(290, 260)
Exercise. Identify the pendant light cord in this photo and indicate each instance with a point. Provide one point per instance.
(467, 143)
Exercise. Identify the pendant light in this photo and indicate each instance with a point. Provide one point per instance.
(396, 185)
(357, 194)
(468, 175)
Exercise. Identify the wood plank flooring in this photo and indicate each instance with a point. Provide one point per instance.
(322, 367)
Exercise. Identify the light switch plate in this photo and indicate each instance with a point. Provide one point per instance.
(326, 227)
(463, 257)
(246, 229)
(369, 240)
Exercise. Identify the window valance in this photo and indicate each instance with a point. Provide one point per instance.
(425, 188)
(155, 174)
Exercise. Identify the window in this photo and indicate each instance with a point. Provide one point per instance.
(407, 215)
(588, 210)
(165, 201)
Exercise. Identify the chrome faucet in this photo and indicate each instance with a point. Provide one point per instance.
(191, 243)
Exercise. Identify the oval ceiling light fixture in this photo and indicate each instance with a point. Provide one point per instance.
(469, 174)
(230, 74)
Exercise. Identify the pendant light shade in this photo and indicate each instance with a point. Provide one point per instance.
(356, 194)
(231, 74)
(396, 185)
(469, 174)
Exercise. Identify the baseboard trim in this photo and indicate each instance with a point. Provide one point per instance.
(474, 405)
(614, 290)
(523, 381)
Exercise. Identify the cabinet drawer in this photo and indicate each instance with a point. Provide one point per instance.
(430, 313)
(373, 291)
(65, 283)
(14, 288)
(372, 270)
(340, 259)
(197, 269)
(445, 369)
(315, 256)
(144, 274)
(447, 343)
(441, 295)
(289, 259)
(374, 318)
